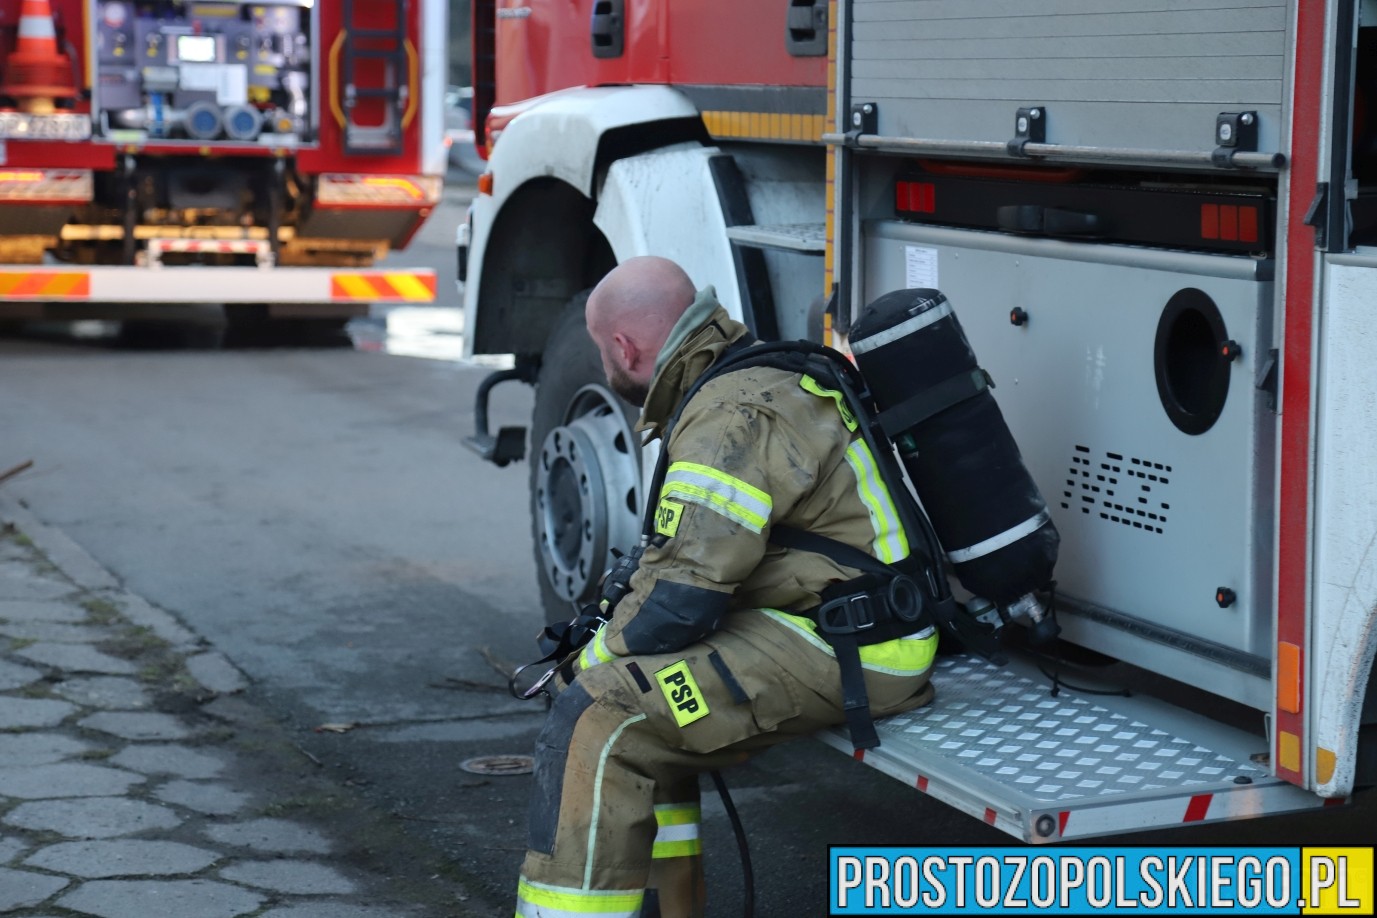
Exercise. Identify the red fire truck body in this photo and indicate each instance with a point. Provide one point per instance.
(1156, 225)
(262, 155)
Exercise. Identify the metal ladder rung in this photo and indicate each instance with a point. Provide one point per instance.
(397, 35)
(376, 44)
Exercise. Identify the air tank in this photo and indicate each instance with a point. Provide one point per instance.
(935, 405)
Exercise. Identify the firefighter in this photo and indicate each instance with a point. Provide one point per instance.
(711, 656)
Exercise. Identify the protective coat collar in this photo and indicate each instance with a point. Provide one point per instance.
(694, 344)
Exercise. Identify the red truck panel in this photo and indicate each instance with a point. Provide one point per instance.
(545, 45)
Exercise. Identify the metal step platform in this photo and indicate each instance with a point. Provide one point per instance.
(809, 238)
(996, 744)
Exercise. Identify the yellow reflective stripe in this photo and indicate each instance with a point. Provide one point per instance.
(812, 385)
(905, 656)
(595, 651)
(678, 830)
(688, 847)
(678, 814)
(561, 901)
(890, 542)
(719, 492)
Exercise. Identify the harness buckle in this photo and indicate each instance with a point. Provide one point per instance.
(847, 614)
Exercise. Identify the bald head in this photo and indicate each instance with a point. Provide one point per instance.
(630, 315)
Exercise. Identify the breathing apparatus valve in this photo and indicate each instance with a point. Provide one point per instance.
(1043, 629)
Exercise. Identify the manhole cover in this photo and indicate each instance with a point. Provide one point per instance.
(499, 765)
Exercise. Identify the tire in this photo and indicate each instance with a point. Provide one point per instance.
(585, 484)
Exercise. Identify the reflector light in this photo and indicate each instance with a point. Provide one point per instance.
(1288, 677)
(378, 190)
(485, 183)
(45, 185)
(1228, 222)
(915, 197)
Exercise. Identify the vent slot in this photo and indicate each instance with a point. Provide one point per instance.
(1118, 488)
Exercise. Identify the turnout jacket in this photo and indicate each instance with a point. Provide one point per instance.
(754, 448)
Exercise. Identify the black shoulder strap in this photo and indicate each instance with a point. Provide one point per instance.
(741, 354)
(840, 552)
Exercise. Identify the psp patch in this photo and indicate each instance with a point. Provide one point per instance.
(686, 702)
(667, 517)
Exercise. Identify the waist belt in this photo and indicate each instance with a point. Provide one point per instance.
(881, 605)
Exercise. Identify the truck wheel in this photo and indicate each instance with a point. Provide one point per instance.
(585, 469)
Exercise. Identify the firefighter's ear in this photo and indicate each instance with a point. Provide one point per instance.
(625, 351)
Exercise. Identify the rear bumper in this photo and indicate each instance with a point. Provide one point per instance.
(22, 287)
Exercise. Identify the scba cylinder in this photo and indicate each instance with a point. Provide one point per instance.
(935, 404)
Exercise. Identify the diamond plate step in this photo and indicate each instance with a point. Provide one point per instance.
(810, 238)
(996, 744)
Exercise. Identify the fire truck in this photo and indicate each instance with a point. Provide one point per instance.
(1156, 224)
(263, 155)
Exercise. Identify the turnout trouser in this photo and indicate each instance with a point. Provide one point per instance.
(614, 812)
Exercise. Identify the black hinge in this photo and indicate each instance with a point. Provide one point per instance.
(1318, 215)
(805, 28)
(1266, 380)
(609, 28)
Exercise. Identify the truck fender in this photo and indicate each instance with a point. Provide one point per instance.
(666, 203)
(557, 136)
(555, 143)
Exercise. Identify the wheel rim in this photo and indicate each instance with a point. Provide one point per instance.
(587, 493)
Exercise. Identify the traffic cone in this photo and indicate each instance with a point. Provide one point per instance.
(36, 72)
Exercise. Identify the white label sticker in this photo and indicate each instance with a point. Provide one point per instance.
(920, 267)
(229, 82)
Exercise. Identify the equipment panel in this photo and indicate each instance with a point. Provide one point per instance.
(203, 71)
(1130, 379)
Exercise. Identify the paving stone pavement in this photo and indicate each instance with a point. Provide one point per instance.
(127, 788)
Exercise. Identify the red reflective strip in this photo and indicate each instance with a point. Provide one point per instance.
(1062, 817)
(859, 755)
(1228, 222)
(901, 196)
(1209, 221)
(923, 783)
(1199, 806)
(1297, 361)
(921, 197)
(1247, 224)
(989, 815)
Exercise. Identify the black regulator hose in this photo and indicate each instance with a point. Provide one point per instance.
(747, 875)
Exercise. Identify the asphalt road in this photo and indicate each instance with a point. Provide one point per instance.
(314, 514)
